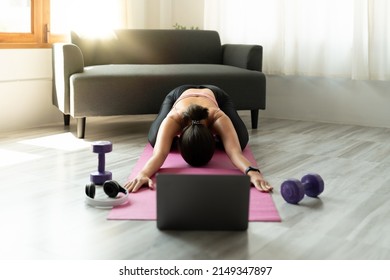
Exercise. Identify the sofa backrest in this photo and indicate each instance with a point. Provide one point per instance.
(147, 46)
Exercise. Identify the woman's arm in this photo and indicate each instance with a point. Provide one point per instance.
(225, 129)
(167, 131)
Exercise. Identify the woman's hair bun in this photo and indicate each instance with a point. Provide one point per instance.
(195, 113)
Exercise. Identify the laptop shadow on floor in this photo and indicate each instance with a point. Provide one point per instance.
(209, 244)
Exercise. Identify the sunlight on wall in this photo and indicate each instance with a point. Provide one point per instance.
(86, 16)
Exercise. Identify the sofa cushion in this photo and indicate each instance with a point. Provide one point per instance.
(109, 89)
(133, 46)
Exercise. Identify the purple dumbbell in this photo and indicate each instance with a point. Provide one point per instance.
(293, 190)
(100, 176)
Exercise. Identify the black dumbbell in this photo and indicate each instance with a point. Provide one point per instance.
(293, 190)
(101, 175)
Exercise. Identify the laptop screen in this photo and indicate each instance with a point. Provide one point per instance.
(202, 202)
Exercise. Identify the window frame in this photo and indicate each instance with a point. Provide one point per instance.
(39, 37)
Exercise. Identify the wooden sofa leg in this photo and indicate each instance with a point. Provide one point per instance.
(66, 120)
(81, 127)
(254, 118)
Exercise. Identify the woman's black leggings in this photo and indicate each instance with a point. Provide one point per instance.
(224, 102)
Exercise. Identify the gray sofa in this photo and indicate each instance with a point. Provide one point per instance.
(131, 71)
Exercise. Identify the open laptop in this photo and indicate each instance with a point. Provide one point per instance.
(202, 202)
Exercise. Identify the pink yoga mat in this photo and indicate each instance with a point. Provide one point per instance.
(142, 204)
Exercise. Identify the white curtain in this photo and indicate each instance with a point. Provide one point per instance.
(339, 38)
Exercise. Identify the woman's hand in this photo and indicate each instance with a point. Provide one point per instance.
(168, 130)
(258, 181)
(139, 181)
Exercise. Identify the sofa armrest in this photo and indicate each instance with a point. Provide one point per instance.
(243, 56)
(67, 60)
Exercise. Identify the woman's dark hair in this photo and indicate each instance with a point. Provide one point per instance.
(196, 142)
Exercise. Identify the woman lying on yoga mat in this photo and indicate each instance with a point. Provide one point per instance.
(203, 116)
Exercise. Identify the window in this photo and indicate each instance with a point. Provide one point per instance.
(24, 23)
(15, 16)
(38, 23)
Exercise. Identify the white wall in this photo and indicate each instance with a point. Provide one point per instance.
(25, 81)
(329, 100)
(25, 89)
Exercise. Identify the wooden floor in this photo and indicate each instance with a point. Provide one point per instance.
(44, 171)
